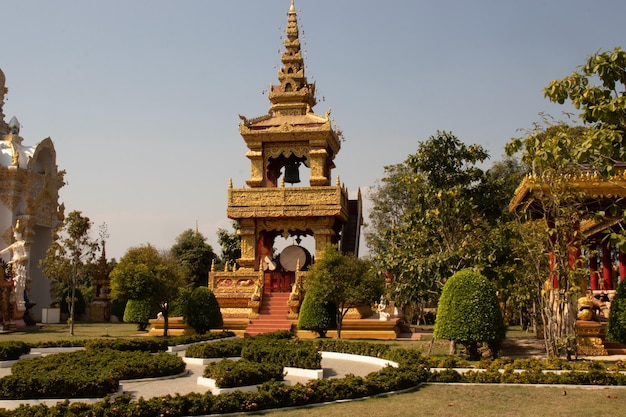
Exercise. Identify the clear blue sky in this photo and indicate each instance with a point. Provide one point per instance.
(141, 97)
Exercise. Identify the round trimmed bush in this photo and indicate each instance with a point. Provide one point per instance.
(317, 315)
(616, 326)
(202, 311)
(140, 312)
(469, 312)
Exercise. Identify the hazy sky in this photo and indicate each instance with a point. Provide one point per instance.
(141, 98)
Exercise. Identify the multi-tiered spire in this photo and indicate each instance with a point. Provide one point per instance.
(294, 96)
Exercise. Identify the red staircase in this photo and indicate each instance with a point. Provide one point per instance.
(272, 315)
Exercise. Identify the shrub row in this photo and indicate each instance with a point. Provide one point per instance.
(228, 373)
(376, 350)
(144, 344)
(88, 373)
(593, 377)
(219, 349)
(232, 348)
(169, 341)
(12, 350)
(293, 353)
(270, 395)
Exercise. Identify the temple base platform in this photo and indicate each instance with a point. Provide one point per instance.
(175, 327)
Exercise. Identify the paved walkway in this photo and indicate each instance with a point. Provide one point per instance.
(186, 383)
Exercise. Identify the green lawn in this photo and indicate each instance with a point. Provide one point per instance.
(479, 401)
(54, 332)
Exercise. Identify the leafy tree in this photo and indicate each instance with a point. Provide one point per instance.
(469, 313)
(69, 256)
(230, 244)
(345, 281)
(429, 217)
(598, 89)
(202, 311)
(556, 151)
(145, 274)
(194, 255)
(317, 314)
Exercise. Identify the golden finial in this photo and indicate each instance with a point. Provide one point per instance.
(213, 265)
(230, 182)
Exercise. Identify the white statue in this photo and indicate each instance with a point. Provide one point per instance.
(382, 313)
(19, 260)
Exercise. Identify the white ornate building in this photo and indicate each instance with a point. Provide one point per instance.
(29, 194)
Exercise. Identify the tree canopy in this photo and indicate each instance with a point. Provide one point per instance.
(144, 274)
(194, 256)
(429, 215)
(344, 281)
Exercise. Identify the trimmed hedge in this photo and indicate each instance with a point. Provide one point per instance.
(202, 312)
(144, 344)
(292, 353)
(86, 373)
(228, 373)
(12, 350)
(468, 312)
(232, 348)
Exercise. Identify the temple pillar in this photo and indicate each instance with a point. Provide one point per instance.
(607, 267)
(248, 244)
(622, 265)
(593, 267)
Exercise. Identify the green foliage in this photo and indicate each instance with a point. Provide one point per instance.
(147, 275)
(283, 352)
(83, 374)
(317, 314)
(468, 312)
(140, 312)
(12, 350)
(69, 258)
(344, 281)
(202, 311)
(228, 373)
(79, 301)
(616, 327)
(117, 308)
(144, 274)
(194, 255)
(144, 344)
(432, 213)
(230, 244)
(220, 349)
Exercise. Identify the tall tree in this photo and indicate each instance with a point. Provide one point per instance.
(230, 243)
(69, 257)
(429, 217)
(344, 281)
(145, 274)
(194, 255)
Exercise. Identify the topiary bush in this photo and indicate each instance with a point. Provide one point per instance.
(140, 312)
(317, 315)
(616, 326)
(202, 311)
(468, 313)
(12, 350)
